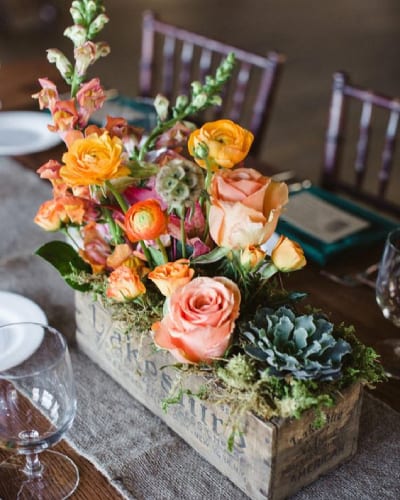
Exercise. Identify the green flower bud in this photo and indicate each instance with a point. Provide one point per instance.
(200, 100)
(196, 87)
(77, 34)
(181, 102)
(201, 151)
(161, 104)
(63, 65)
(97, 25)
(91, 7)
(76, 15)
(215, 100)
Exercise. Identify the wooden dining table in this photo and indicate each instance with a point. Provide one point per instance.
(354, 305)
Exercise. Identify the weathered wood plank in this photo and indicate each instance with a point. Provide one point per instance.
(271, 460)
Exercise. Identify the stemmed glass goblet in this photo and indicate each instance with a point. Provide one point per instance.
(388, 298)
(37, 406)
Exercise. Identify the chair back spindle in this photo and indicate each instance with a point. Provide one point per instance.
(333, 175)
(188, 56)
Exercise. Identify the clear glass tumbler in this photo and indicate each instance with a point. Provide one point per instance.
(388, 296)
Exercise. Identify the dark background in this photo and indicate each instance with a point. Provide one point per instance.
(318, 37)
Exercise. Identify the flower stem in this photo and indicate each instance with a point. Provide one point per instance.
(183, 236)
(114, 228)
(162, 250)
(120, 199)
(146, 251)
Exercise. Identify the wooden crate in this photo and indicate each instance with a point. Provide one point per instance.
(271, 460)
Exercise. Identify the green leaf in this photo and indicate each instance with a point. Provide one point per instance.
(156, 256)
(67, 261)
(213, 256)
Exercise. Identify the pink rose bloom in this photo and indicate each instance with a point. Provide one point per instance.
(200, 320)
(245, 207)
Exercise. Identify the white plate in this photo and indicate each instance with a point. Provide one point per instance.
(25, 132)
(15, 308)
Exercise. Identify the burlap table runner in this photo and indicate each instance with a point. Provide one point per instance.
(137, 452)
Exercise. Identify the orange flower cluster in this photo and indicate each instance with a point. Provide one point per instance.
(130, 236)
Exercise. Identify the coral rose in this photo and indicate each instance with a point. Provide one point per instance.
(124, 284)
(200, 320)
(225, 143)
(245, 207)
(169, 277)
(145, 220)
(288, 255)
(93, 160)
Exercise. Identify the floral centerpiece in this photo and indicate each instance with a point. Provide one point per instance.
(168, 229)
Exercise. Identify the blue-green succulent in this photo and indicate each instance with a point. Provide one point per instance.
(299, 345)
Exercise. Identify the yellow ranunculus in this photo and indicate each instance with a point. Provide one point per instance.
(93, 160)
(223, 143)
(288, 255)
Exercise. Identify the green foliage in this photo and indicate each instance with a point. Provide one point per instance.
(68, 263)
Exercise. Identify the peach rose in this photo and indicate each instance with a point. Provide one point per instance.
(93, 160)
(169, 277)
(145, 220)
(226, 142)
(200, 320)
(124, 284)
(245, 207)
(288, 255)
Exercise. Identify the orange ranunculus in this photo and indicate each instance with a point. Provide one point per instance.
(245, 207)
(124, 284)
(200, 320)
(226, 142)
(93, 160)
(251, 256)
(145, 220)
(51, 215)
(168, 277)
(288, 255)
(95, 250)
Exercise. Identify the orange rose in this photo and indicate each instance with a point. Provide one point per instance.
(145, 220)
(245, 207)
(168, 277)
(223, 142)
(288, 255)
(124, 284)
(93, 160)
(200, 320)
